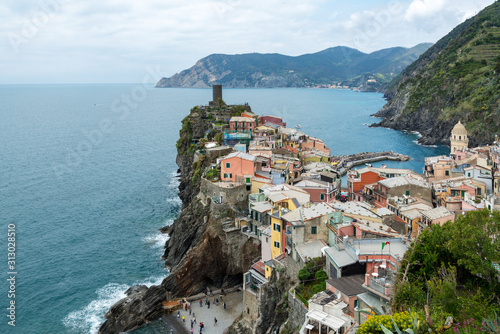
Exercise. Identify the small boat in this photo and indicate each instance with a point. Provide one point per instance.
(298, 126)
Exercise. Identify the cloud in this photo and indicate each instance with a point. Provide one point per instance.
(423, 8)
(114, 40)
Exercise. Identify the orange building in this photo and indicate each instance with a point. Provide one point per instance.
(238, 167)
(358, 179)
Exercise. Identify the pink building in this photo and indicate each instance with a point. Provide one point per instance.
(238, 167)
(320, 191)
(439, 215)
(242, 124)
(348, 287)
(315, 144)
(272, 119)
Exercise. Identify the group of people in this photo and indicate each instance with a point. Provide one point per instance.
(187, 307)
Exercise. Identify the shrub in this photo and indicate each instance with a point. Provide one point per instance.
(304, 274)
(403, 320)
(321, 275)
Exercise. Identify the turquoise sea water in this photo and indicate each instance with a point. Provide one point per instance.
(87, 175)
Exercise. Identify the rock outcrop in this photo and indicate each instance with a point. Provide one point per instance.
(200, 252)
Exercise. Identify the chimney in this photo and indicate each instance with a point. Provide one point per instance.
(387, 289)
(367, 279)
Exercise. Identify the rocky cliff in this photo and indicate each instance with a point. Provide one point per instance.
(339, 64)
(199, 252)
(456, 79)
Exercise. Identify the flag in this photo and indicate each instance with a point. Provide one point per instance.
(385, 244)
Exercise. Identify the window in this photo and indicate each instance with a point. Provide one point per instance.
(267, 239)
(314, 229)
(277, 244)
(407, 193)
(322, 197)
(446, 172)
(277, 227)
(247, 180)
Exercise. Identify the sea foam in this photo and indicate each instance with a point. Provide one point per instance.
(88, 319)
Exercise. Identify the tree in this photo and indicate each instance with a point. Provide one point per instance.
(221, 103)
(219, 138)
(451, 269)
(304, 275)
(202, 143)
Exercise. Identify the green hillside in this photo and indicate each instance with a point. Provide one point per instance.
(456, 79)
(334, 66)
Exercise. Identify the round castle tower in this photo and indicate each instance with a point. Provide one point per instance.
(459, 140)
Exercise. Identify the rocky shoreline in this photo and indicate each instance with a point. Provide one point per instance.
(198, 253)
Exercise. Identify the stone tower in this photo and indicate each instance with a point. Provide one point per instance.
(458, 140)
(217, 92)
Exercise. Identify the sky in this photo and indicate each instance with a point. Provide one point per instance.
(131, 41)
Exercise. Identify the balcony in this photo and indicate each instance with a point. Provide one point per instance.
(380, 282)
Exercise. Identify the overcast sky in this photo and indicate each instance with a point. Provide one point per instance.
(100, 41)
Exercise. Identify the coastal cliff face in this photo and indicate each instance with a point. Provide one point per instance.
(199, 252)
(456, 79)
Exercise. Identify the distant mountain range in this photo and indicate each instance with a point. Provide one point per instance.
(335, 66)
(456, 79)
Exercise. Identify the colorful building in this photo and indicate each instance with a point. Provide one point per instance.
(238, 167)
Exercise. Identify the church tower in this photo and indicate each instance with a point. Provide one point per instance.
(458, 140)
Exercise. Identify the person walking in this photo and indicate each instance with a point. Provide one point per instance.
(224, 305)
(183, 319)
(200, 303)
(215, 321)
(209, 304)
(191, 323)
(217, 301)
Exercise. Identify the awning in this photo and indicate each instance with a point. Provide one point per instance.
(326, 319)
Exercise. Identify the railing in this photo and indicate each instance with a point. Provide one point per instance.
(378, 284)
(302, 299)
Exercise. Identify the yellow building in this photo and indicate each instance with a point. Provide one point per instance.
(276, 235)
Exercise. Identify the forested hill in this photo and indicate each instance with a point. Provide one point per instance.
(456, 79)
(339, 65)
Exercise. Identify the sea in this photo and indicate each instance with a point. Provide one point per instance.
(88, 176)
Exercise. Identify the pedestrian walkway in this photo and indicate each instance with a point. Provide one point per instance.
(225, 317)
